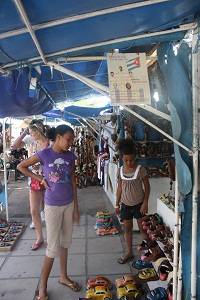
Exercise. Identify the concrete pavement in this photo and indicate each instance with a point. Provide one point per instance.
(89, 255)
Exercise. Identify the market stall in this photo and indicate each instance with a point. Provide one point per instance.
(41, 51)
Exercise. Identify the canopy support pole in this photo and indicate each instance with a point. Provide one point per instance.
(104, 90)
(154, 111)
(5, 169)
(196, 101)
(176, 240)
(26, 21)
(83, 16)
(179, 288)
(68, 51)
(158, 129)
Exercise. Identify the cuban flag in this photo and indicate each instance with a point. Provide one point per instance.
(133, 63)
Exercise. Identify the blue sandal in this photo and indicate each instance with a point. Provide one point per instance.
(140, 264)
(158, 294)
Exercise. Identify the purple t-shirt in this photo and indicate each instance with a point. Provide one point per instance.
(57, 170)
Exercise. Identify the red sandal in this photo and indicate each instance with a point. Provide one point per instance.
(37, 245)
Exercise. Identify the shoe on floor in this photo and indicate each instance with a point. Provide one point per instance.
(32, 225)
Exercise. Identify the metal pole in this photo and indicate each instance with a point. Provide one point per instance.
(195, 82)
(179, 288)
(37, 59)
(91, 83)
(83, 16)
(158, 129)
(176, 240)
(10, 131)
(5, 170)
(26, 21)
(155, 111)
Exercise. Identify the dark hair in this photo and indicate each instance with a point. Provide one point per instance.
(126, 147)
(59, 130)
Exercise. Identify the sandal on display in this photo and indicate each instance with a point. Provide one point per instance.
(146, 255)
(143, 246)
(73, 285)
(170, 286)
(158, 294)
(148, 274)
(152, 254)
(125, 259)
(168, 248)
(140, 264)
(164, 269)
(159, 261)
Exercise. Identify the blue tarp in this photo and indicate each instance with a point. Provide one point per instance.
(150, 18)
(61, 86)
(176, 68)
(14, 96)
(54, 113)
(76, 112)
(80, 37)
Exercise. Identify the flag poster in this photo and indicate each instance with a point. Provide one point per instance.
(128, 78)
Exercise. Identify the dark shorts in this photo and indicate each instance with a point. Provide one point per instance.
(130, 212)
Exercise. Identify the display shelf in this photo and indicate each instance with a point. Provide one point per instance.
(167, 214)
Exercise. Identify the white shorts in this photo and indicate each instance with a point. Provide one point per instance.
(59, 226)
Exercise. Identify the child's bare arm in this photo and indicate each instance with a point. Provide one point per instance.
(118, 197)
(119, 192)
(144, 207)
(146, 184)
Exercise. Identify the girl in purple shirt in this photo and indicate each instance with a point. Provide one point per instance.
(61, 205)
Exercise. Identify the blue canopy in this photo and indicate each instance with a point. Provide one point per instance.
(78, 112)
(84, 30)
(69, 28)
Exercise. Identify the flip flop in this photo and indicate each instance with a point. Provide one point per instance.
(147, 244)
(164, 269)
(148, 274)
(125, 259)
(157, 294)
(36, 246)
(139, 264)
(74, 286)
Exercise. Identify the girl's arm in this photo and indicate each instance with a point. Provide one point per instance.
(76, 208)
(23, 167)
(146, 184)
(118, 196)
(18, 143)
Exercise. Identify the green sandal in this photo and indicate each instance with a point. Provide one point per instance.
(148, 274)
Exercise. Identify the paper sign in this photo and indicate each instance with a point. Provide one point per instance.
(128, 78)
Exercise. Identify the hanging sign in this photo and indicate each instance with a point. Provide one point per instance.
(128, 78)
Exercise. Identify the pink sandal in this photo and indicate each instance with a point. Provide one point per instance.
(36, 246)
